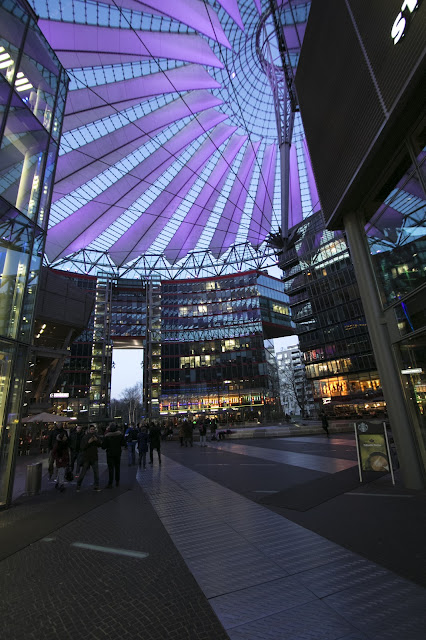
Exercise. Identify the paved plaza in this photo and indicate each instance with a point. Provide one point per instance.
(220, 542)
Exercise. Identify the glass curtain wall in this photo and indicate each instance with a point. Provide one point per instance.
(326, 307)
(214, 356)
(33, 88)
(397, 240)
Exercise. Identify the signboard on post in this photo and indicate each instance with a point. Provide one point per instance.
(373, 448)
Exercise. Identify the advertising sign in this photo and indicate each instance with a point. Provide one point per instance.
(373, 448)
(373, 454)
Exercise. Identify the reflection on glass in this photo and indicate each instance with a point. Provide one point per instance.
(397, 236)
(22, 153)
(10, 412)
(15, 244)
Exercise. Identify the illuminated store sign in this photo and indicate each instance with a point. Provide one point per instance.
(407, 9)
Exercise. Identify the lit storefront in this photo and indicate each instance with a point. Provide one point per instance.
(33, 88)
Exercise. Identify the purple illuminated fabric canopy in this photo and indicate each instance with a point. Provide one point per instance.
(316, 205)
(190, 230)
(194, 13)
(260, 224)
(155, 218)
(152, 83)
(107, 42)
(227, 227)
(87, 105)
(295, 213)
(231, 8)
(80, 228)
(82, 164)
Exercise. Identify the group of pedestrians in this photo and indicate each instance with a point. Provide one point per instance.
(144, 437)
(73, 454)
(77, 449)
(203, 424)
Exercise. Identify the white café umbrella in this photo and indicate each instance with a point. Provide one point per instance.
(46, 417)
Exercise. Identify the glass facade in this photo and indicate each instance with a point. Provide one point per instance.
(215, 354)
(397, 239)
(208, 346)
(326, 306)
(33, 88)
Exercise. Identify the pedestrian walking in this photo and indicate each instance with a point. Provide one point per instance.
(324, 422)
(51, 442)
(187, 432)
(112, 443)
(203, 433)
(61, 456)
(75, 439)
(181, 433)
(143, 441)
(154, 443)
(131, 436)
(89, 447)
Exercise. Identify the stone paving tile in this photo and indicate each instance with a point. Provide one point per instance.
(218, 573)
(310, 621)
(212, 545)
(298, 459)
(244, 597)
(297, 558)
(53, 590)
(260, 601)
(336, 576)
(384, 608)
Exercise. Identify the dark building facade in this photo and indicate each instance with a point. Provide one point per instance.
(62, 313)
(369, 165)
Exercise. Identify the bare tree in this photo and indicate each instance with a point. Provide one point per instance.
(131, 398)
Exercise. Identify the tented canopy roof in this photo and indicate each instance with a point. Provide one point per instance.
(169, 154)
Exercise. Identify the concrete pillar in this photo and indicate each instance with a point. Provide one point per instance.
(402, 430)
(25, 183)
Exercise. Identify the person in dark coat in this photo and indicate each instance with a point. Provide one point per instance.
(61, 456)
(187, 432)
(131, 436)
(89, 447)
(202, 427)
(113, 442)
(154, 443)
(324, 422)
(75, 439)
(143, 441)
(51, 441)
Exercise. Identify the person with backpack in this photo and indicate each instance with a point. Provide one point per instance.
(131, 436)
